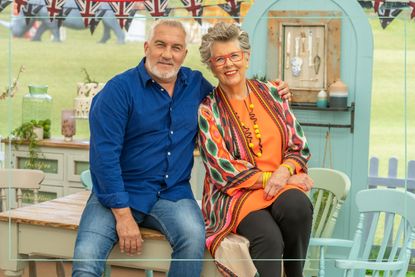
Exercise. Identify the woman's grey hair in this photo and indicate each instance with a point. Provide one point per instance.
(223, 32)
(167, 22)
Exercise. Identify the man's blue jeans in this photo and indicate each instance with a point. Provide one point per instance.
(181, 222)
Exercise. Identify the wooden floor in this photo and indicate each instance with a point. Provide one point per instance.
(47, 269)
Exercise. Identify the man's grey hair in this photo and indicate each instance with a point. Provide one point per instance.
(167, 22)
(223, 32)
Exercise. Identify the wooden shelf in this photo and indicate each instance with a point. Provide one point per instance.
(350, 109)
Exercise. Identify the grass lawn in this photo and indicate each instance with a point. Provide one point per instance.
(59, 66)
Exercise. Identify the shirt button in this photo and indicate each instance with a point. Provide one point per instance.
(167, 176)
(168, 153)
(171, 132)
(171, 109)
(153, 81)
(162, 89)
(158, 193)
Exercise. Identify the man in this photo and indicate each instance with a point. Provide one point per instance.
(143, 126)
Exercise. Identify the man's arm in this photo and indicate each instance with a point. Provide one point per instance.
(108, 122)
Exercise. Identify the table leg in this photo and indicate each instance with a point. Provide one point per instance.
(11, 262)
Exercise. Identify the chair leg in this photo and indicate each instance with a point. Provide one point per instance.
(32, 269)
(322, 269)
(149, 273)
(60, 270)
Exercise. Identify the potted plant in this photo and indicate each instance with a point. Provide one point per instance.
(31, 132)
(85, 92)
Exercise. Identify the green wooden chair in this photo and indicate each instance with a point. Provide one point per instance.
(330, 190)
(87, 183)
(379, 209)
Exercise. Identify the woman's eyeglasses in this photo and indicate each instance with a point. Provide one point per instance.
(233, 57)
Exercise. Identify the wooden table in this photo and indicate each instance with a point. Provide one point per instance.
(49, 230)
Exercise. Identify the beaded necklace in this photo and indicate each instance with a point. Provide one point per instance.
(246, 130)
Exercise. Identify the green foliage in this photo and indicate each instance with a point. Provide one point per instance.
(45, 124)
(26, 133)
(88, 78)
(10, 91)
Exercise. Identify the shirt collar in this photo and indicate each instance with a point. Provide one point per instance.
(146, 78)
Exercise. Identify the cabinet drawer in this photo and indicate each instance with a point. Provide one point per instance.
(76, 164)
(52, 163)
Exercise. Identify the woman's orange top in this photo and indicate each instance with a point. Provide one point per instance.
(271, 158)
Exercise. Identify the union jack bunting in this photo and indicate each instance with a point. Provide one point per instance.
(412, 4)
(124, 11)
(366, 4)
(30, 10)
(63, 14)
(87, 9)
(4, 4)
(376, 5)
(387, 15)
(233, 8)
(157, 8)
(20, 4)
(54, 7)
(195, 7)
(93, 23)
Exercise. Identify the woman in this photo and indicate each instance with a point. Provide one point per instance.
(255, 155)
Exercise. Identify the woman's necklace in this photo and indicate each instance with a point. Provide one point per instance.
(247, 131)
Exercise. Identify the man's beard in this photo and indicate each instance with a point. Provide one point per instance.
(162, 75)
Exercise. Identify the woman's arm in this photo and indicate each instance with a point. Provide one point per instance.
(227, 173)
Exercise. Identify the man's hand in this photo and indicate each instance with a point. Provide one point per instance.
(128, 232)
(283, 89)
(276, 182)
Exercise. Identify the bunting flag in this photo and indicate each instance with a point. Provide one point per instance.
(87, 9)
(157, 8)
(210, 11)
(387, 15)
(129, 19)
(54, 7)
(233, 8)
(195, 7)
(30, 10)
(4, 4)
(63, 14)
(366, 4)
(124, 12)
(20, 4)
(376, 5)
(412, 5)
(93, 23)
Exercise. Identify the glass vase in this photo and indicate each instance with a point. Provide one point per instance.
(68, 124)
(37, 104)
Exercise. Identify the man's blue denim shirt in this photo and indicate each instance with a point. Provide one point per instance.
(142, 140)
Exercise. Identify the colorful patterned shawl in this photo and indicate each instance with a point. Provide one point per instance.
(228, 160)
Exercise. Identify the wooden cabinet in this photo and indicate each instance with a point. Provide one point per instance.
(65, 161)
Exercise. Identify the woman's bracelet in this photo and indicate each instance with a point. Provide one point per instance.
(290, 169)
(265, 177)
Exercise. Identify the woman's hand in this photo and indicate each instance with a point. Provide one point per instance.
(277, 181)
(302, 180)
(283, 89)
